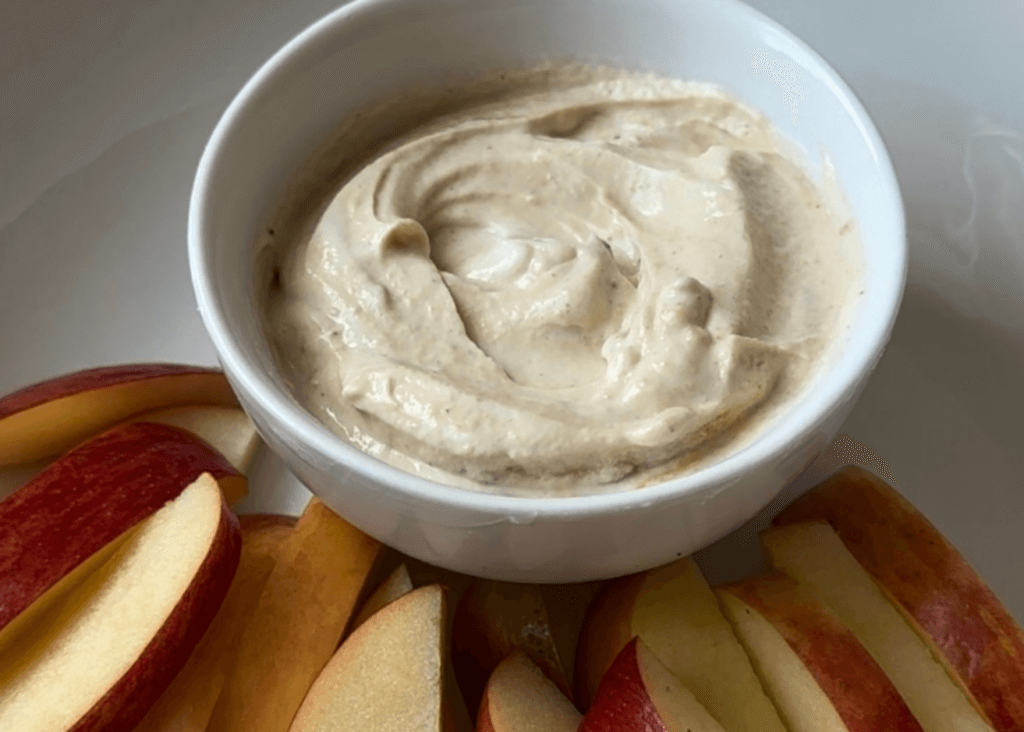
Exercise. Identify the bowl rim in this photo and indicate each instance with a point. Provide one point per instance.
(760, 453)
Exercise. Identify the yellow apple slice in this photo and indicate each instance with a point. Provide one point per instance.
(519, 696)
(818, 674)
(186, 705)
(227, 429)
(68, 519)
(456, 716)
(639, 694)
(100, 659)
(386, 676)
(295, 627)
(48, 418)
(812, 554)
(677, 616)
(454, 713)
(493, 619)
(396, 584)
(946, 601)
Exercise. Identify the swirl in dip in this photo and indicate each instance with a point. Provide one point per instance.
(558, 280)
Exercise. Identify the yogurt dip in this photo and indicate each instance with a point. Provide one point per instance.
(556, 281)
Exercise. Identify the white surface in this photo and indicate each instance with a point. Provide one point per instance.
(106, 106)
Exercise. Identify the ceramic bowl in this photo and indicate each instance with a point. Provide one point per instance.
(372, 49)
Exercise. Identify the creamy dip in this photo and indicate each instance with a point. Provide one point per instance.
(558, 280)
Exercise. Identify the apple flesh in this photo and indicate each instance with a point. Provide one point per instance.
(519, 696)
(99, 660)
(227, 429)
(297, 624)
(69, 519)
(812, 554)
(677, 616)
(456, 716)
(946, 601)
(386, 675)
(493, 619)
(639, 694)
(186, 705)
(454, 713)
(816, 671)
(48, 418)
(396, 584)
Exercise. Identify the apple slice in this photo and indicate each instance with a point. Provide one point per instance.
(493, 619)
(455, 712)
(812, 554)
(68, 520)
(817, 673)
(99, 660)
(265, 533)
(519, 696)
(227, 429)
(639, 694)
(398, 583)
(947, 603)
(186, 705)
(386, 675)
(297, 623)
(53, 416)
(567, 606)
(677, 616)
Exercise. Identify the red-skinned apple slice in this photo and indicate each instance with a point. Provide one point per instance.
(519, 696)
(100, 659)
(386, 675)
(945, 600)
(186, 705)
(677, 616)
(50, 417)
(818, 674)
(67, 520)
(493, 619)
(227, 429)
(639, 694)
(812, 554)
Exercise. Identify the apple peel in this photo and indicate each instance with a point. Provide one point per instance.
(186, 705)
(50, 417)
(66, 521)
(940, 594)
(101, 659)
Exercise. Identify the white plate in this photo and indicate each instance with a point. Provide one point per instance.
(106, 107)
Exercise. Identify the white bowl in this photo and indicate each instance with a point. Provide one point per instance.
(370, 49)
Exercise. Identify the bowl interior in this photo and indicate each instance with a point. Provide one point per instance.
(370, 49)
